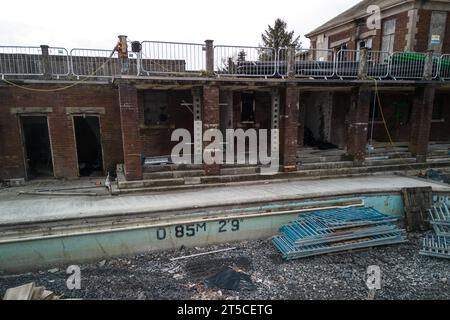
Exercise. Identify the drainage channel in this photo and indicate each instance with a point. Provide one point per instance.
(34, 246)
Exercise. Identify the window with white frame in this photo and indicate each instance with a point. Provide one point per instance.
(388, 39)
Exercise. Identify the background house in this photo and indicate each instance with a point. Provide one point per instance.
(406, 25)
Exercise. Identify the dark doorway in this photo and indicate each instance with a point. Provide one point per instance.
(89, 146)
(38, 153)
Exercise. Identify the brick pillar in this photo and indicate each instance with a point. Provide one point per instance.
(211, 120)
(359, 123)
(290, 129)
(421, 116)
(129, 118)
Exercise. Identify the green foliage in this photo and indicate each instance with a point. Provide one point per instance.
(277, 36)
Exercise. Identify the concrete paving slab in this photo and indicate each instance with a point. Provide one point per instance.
(45, 208)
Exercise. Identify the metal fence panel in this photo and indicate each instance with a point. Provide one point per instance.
(407, 65)
(59, 61)
(347, 63)
(312, 63)
(240, 61)
(94, 63)
(173, 57)
(17, 60)
(444, 67)
(378, 64)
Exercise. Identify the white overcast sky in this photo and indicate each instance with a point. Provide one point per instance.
(96, 24)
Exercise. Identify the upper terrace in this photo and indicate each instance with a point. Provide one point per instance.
(152, 59)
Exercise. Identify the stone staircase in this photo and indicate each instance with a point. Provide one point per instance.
(310, 166)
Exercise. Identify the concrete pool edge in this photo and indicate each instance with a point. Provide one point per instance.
(168, 234)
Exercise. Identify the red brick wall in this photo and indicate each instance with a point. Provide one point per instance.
(156, 140)
(351, 45)
(423, 30)
(440, 130)
(446, 44)
(11, 156)
(397, 109)
(401, 30)
(129, 119)
(61, 126)
(290, 99)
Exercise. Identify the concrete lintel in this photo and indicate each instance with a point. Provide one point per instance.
(23, 110)
(75, 110)
(340, 42)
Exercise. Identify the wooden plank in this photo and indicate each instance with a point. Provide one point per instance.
(417, 201)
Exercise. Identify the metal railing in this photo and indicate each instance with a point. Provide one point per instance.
(347, 63)
(20, 61)
(95, 63)
(59, 62)
(241, 61)
(172, 57)
(407, 65)
(315, 63)
(444, 67)
(378, 64)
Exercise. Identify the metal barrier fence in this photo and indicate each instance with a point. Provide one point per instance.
(236, 61)
(95, 63)
(444, 67)
(407, 65)
(245, 61)
(172, 57)
(315, 63)
(59, 61)
(347, 63)
(378, 64)
(20, 61)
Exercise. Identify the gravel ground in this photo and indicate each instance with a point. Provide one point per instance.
(405, 275)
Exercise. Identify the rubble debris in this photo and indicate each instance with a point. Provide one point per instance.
(435, 175)
(231, 279)
(202, 254)
(438, 244)
(337, 230)
(405, 275)
(29, 291)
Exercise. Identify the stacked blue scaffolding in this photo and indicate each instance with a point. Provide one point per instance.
(330, 231)
(438, 244)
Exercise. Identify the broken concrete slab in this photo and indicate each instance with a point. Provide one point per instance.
(24, 292)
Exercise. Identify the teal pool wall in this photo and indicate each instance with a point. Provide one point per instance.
(18, 256)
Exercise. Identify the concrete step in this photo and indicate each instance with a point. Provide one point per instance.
(438, 159)
(325, 165)
(392, 161)
(171, 167)
(150, 183)
(330, 171)
(173, 174)
(239, 171)
(315, 159)
(205, 181)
